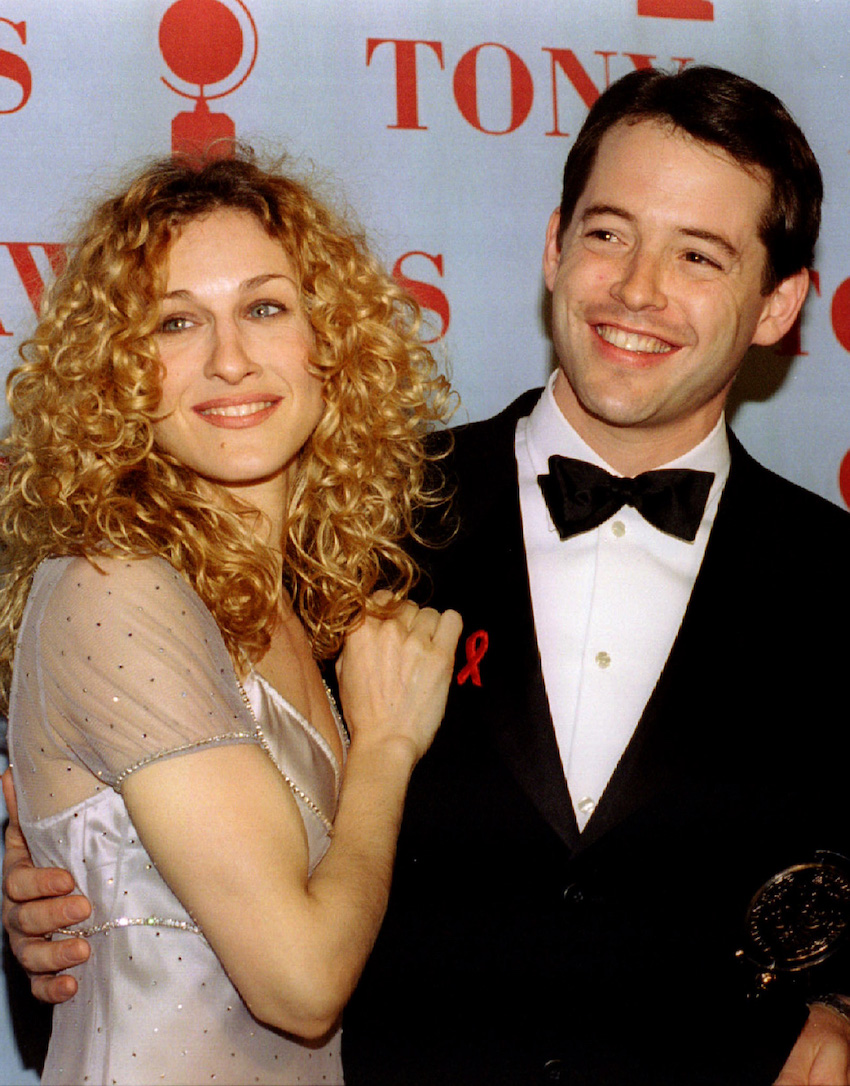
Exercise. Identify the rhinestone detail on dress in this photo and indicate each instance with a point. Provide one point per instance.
(323, 818)
(199, 745)
(133, 922)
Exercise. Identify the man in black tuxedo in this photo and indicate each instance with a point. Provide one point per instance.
(643, 728)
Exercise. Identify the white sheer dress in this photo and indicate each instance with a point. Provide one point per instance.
(114, 670)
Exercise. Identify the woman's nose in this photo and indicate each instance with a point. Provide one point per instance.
(229, 357)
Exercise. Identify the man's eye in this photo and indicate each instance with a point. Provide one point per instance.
(602, 235)
(701, 259)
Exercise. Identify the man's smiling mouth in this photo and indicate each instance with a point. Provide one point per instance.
(632, 341)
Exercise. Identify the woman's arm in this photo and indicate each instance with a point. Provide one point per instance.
(225, 831)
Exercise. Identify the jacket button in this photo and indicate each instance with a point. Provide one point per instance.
(573, 895)
(553, 1071)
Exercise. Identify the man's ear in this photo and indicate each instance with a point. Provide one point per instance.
(781, 308)
(552, 249)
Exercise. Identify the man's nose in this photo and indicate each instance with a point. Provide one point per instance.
(640, 284)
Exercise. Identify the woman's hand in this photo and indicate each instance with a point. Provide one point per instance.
(394, 675)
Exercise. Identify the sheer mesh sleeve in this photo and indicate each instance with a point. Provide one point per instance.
(117, 668)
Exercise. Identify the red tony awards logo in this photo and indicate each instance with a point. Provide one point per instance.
(203, 43)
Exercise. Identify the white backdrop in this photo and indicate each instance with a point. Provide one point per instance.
(445, 124)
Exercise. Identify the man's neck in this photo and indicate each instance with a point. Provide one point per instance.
(633, 449)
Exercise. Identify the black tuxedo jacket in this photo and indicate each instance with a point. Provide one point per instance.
(516, 950)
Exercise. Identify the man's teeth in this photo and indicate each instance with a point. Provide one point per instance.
(238, 410)
(632, 341)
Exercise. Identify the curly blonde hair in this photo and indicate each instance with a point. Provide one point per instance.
(83, 474)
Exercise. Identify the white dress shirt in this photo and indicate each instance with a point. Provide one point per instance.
(607, 603)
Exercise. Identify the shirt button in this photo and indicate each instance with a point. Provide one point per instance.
(553, 1071)
(603, 659)
(586, 805)
(618, 528)
(573, 895)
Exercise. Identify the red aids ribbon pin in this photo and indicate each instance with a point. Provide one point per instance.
(476, 646)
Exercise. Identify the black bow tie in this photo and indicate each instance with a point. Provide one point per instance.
(582, 496)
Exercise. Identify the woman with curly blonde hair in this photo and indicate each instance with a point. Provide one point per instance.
(216, 455)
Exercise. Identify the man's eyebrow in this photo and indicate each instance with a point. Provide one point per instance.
(713, 238)
(592, 210)
(605, 209)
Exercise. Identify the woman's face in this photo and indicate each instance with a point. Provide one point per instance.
(238, 398)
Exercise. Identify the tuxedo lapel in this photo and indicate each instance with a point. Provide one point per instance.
(519, 708)
(511, 702)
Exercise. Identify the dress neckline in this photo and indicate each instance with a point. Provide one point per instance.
(254, 677)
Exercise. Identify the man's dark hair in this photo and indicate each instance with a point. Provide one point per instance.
(734, 114)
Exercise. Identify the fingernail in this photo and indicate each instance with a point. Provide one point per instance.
(74, 957)
(74, 911)
(59, 884)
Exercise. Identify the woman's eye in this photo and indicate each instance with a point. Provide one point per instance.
(266, 309)
(174, 324)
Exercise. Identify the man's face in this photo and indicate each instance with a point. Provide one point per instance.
(657, 291)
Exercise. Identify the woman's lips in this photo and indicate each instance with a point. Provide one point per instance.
(237, 414)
